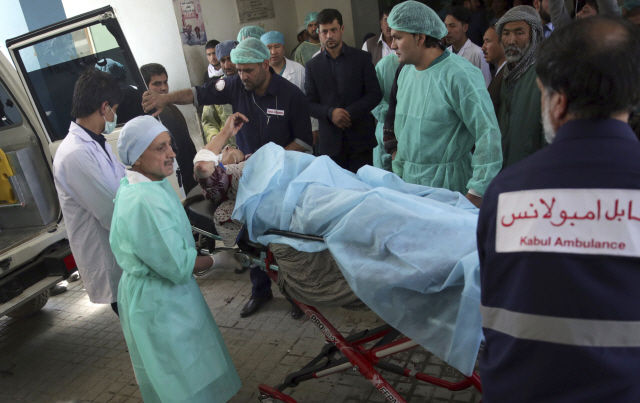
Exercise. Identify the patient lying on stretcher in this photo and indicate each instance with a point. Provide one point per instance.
(220, 186)
(311, 278)
(218, 169)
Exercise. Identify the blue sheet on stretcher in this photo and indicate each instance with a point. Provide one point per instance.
(407, 251)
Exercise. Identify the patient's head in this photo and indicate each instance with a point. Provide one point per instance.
(231, 155)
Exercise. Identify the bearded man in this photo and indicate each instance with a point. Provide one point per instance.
(559, 295)
(520, 31)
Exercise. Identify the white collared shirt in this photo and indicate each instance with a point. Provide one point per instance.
(213, 72)
(386, 50)
(136, 177)
(294, 72)
(548, 31)
(473, 53)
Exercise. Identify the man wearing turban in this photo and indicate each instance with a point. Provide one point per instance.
(520, 31)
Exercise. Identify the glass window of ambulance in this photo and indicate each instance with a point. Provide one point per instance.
(54, 65)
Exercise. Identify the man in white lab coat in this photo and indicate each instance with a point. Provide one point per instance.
(87, 176)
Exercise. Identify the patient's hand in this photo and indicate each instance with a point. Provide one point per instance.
(204, 169)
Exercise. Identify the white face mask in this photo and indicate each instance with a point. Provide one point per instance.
(109, 127)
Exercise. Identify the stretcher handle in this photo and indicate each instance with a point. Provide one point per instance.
(289, 234)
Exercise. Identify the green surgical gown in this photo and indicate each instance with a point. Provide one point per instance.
(386, 72)
(176, 349)
(442, 113)
(305, 52)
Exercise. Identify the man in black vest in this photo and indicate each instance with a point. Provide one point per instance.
(380, 46)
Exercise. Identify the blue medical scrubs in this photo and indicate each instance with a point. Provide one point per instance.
(280, 115)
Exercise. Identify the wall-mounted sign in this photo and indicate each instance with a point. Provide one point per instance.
(192, 30)
(254, 10)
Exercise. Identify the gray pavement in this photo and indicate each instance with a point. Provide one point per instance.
(74, 350)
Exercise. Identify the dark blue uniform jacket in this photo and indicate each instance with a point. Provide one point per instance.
(586, 154)
(280, 115)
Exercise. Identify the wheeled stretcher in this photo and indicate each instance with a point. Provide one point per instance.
(364, 351)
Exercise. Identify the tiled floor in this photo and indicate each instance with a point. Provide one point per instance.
(75, 351)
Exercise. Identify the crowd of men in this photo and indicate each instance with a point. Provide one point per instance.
(511, 106)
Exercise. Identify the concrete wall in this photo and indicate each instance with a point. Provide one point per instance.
(222, 23)
(365, 19)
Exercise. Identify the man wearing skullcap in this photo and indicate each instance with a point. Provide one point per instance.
(250, 31)
(214, 116)
(87, 176)
(520, 31)
(442, 110)
(289, 69)
(307, 49)
(177, 351)
(277, 111)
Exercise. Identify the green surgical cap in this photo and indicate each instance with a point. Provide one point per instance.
(250, 31)
(251, 50)
(311, 17)
(416, 18)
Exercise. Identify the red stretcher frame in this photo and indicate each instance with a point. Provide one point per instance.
(353, 355)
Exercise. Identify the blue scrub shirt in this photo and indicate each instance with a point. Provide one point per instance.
(280, 115)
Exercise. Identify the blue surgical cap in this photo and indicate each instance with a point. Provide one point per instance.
(416, 18)
(224, 48)
(311, 17)
(136, 136)
(272, 37)
(250, 31)
(251, 50)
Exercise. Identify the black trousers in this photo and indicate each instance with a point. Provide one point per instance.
(114, 306)
(352, 160)
(261, 282)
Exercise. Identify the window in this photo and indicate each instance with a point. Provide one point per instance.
(9, 113)
(52, 67)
